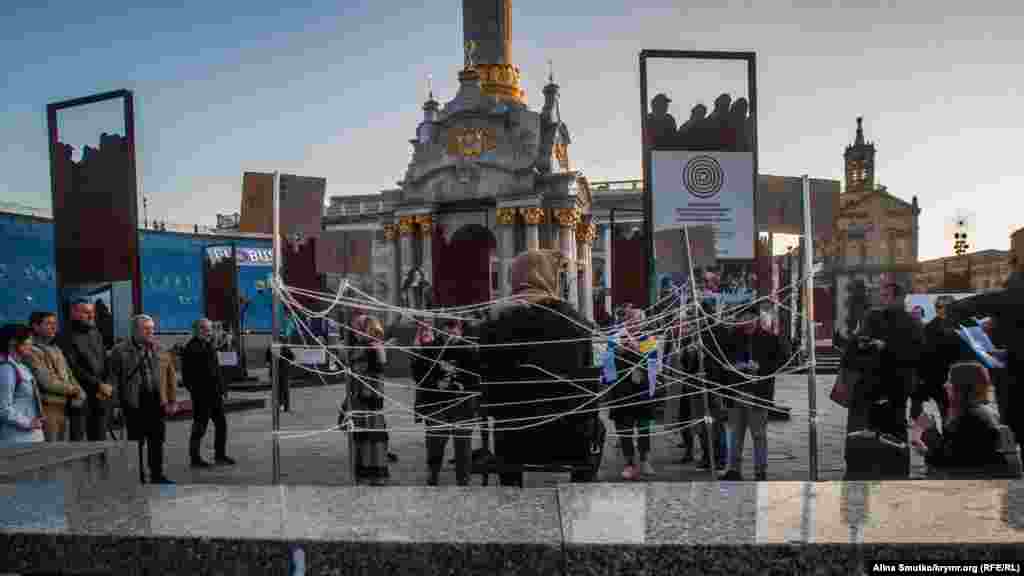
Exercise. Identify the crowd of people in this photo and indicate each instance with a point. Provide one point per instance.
(728, 126)
(516, 372)
(893, 359)
(68, 386)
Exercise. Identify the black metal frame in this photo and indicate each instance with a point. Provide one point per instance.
(751, 59)
(129, 129)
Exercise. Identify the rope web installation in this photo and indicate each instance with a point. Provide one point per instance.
(675, 319)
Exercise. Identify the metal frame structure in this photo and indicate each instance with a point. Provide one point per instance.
(129, 128)
(751, 59)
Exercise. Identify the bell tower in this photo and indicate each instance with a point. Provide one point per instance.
(860, 163)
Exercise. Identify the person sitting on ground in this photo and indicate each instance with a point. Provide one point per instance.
(971, 437)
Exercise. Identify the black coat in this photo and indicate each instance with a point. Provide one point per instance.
(529, 374)
(771, 352)
(764, 348)
(942, 348)
(898, 361)
(200, 371)
(624, 397)
(430, 371)
(970, 440)
(83, 348)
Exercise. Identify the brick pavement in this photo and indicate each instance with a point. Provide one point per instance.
(322, 459)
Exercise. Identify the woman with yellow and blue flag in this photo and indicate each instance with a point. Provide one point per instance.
(631, 366)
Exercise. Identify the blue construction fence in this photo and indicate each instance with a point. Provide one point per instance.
(172, 274)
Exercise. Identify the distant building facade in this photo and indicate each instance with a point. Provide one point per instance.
(874, 241)
(981, 271)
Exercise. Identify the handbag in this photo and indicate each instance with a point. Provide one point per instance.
(842, 388)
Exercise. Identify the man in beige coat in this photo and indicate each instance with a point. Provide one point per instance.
(57, 385)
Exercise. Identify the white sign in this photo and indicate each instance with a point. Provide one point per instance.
(245, 256)
(310, 357)
(228, 358)
(926, 303)
(701, 188)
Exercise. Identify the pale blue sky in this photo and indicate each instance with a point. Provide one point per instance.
(334, 89)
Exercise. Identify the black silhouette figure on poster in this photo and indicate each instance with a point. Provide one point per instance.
(660, 124)
(728, 127)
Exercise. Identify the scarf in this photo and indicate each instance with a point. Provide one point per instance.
(535, 276)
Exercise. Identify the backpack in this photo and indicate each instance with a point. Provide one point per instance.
(18, 379)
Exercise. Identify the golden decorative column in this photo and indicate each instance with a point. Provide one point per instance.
(425, 229)
(487, 40)
(568, 219)
(391, 240)
(406, 231)
(585, 234)
(534, 217)
(506, 218)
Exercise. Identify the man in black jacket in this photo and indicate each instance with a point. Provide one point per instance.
(202, 376)
(942, 347)
(898, 340)
(82, 345)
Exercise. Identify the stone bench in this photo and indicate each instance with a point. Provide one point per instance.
(658, 528)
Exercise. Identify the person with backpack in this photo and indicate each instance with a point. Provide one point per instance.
(21, 412)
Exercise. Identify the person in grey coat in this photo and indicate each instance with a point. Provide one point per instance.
(135, 372)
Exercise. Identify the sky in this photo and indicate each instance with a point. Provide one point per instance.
(335, 89)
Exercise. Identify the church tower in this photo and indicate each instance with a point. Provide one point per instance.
(860, 163)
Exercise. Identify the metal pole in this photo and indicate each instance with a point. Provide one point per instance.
(708, 423)
(275, 360)
(812, 387)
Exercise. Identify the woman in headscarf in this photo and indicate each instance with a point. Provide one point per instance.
(534, 351)
(370, 440)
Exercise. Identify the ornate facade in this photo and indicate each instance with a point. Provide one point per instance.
(488, 178)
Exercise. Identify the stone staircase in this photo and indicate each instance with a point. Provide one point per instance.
(826, 362)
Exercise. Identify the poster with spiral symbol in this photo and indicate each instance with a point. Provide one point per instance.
(706, 188)
(703, 176)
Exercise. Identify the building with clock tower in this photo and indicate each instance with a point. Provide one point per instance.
(874, 239)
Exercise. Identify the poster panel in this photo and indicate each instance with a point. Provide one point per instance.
(699, 141)
(706, 188)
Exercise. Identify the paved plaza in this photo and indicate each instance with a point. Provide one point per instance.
(322, 458)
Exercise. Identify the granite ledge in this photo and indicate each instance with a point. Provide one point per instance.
(709, 528)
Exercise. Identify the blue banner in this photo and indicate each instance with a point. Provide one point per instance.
(27, 271)
(171, 267)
